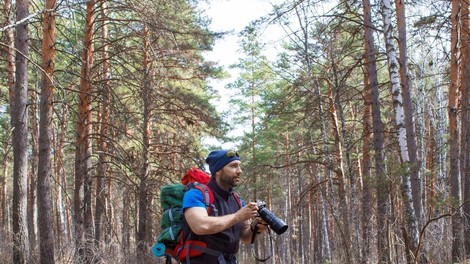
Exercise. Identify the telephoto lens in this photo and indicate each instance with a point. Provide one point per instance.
(274, 222)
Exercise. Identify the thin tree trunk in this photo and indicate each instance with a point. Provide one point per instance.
(11, 68)
(83, 167)
(61, 173)
(382, 183)
(19, 123)
(60, 231)
(464, 120)
(366, 248)
(125, 222)
(339, 170)
(455, 187)
(32, 202)
(46, 235)
(101, 205)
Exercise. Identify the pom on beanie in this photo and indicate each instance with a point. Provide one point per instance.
(217, 159)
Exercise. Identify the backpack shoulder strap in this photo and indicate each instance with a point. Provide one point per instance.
(237, 197)
(208, 198)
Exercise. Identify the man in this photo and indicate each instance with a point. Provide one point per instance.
(235, 221)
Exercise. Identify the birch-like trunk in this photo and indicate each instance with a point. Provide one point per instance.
(412, 223)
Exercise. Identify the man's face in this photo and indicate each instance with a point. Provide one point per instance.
(229, 176)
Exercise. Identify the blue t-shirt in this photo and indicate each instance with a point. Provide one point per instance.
(195, 198)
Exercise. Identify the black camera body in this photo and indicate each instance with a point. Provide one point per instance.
(273, 221)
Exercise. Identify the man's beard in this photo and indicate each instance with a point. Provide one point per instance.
(228, 180)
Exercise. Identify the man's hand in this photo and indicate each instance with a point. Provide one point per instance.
(247, 212)
(259, 226)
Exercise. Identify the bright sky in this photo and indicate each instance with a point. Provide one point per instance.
(233, 16)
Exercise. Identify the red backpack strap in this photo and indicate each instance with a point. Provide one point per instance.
(208, 198)
(237, 197)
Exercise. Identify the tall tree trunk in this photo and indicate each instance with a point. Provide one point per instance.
(58, 213)
(416, 182)
(339, 170)
(61, 173)
(83, 163)
(412, 223)
(382, 183)
(464, 120)
(101, 206)
(144, 228)
(32, 202)
(46, 235)
(365, 170)
(126, 204)
(455, 187)
(11, 68)
(19, 123)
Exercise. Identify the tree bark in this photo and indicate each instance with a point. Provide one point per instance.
(19, 123)
(464, 120)
(11, 68)
(402, 136)
(454, 173)
(46, 235)
(101, 205)
(382, 183)
(145, 199)
(414, 163)
(339, 170)
(365, 170)
(32, 189)
(83, 163)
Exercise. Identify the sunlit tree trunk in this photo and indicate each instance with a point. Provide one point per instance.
(19, 124)
(382, 183)
(454, 173)
(46, 235)
(83, 163)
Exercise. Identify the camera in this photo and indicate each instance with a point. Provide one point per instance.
(274, 222)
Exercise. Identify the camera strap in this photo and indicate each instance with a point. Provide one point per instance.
(255, 232)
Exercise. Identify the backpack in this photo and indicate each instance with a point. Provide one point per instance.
(173, 241)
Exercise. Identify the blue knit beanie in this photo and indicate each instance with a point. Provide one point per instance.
(217, 159)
